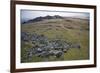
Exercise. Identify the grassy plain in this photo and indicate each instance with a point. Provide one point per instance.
(73, 30)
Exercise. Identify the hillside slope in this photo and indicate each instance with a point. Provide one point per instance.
(74, 30)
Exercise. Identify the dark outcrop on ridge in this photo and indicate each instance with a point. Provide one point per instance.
(44, 18)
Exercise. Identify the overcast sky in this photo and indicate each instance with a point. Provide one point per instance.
(31, 14)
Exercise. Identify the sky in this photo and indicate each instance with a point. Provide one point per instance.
(31, 14)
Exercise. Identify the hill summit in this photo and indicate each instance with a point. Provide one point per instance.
(44, 18)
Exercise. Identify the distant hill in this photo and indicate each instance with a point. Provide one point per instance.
(43, 18)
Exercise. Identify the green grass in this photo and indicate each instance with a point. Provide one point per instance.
(78, 34)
